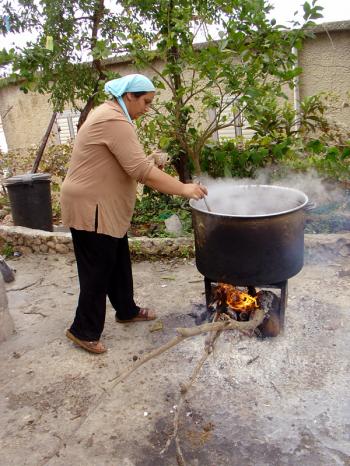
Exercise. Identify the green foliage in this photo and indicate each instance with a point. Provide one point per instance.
(54, 160)
(7, 250)
(186, 251)
(279, 119)
(232, 159)
(250, 60)
(308, 140)
(329, 161)
(227, 75)
(66, 35)
(153, 208)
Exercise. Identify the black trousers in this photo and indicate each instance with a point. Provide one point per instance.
(104, 269)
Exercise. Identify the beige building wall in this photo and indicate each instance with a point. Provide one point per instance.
(326, 67)
(25, 117)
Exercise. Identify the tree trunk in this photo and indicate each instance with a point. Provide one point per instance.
(181, 165)
(86, 110)
(96, 63)
(41, 149)
(197, 167)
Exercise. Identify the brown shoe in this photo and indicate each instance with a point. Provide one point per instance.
(92, 346)
(144, 314)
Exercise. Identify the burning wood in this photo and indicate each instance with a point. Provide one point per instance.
(230, 301)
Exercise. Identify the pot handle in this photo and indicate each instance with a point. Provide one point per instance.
(310, 206)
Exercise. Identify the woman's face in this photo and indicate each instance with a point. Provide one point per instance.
(138, 106)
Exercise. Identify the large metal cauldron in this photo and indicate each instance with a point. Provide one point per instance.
(254, 234)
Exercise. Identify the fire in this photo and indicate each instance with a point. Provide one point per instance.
(238, 301)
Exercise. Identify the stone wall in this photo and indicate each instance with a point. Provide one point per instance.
(27, 241)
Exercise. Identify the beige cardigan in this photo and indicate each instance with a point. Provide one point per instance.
(107, 161)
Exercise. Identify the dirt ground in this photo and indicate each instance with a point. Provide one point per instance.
(282, 401)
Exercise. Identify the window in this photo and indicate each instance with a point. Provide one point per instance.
(238, 128)
(67, 126)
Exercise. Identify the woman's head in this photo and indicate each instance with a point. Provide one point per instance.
(137, 103)
(134, 93)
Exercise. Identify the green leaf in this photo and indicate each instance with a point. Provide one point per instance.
(315, 146)
(332, 154)
(227, 171)
(345, 153)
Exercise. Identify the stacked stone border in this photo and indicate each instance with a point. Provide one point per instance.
(29, 241)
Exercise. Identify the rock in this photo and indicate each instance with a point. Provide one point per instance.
(345, 250)
(6, 323)
(64, 238)
(62, 248)
(174, 225)
(44, 248)
(25, 249)
(6, 271)
(7, 220)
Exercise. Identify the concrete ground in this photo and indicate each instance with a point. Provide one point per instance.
(273, 402)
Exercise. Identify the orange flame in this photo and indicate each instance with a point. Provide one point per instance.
(237, 300)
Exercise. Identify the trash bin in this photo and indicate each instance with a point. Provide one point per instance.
(30, 200)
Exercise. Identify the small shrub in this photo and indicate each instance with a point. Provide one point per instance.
(329, 161)
(153, 208)
(235, 158)
(7, 250)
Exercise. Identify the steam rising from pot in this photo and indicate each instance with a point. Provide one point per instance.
(251, 200)
(224, 198)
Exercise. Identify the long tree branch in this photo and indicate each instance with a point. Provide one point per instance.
(184, 333)
(96, 62)
(96, 22)
(208, 349)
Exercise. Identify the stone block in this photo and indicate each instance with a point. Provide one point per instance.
(62, 248)
(44, 248)
(6, 323)
(25, 250)
(173, 225)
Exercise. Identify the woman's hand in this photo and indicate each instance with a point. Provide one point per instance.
(159, 158)
(170, 185)
(194, 191)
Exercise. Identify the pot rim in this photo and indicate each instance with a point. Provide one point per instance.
(247, 186)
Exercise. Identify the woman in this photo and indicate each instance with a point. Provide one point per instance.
(98, 198)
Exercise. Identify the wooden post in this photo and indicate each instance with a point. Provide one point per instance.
(41, 149)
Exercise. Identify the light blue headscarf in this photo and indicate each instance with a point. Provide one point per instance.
(128, 83)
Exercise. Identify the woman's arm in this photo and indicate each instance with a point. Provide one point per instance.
(167, 184)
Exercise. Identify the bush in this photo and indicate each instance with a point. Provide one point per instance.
(308, 140)
(328, 160)
(234, 158)
(153, 208)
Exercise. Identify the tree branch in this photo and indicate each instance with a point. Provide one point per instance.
(184, 333)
